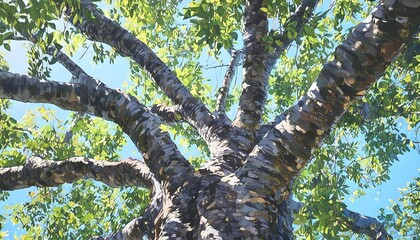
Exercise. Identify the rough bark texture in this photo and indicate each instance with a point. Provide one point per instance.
(110, 32)
(257, 65)
(245, 191)
(255, 79)
(40, 172)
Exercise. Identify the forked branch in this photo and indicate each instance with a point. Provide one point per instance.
(102, 29)
(168, 115)
(164, 160)
(358, 63)
(258, 62)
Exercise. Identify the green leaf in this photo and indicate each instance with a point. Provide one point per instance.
(6, 46)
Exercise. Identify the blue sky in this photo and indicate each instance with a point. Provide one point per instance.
(113, 75)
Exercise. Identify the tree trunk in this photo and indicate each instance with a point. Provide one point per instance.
(245, 192)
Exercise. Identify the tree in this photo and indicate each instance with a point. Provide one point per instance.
(253, 171)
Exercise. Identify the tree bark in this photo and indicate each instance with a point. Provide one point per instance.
(43, 173)
(102, 29)
(245, 192)
(255, 199)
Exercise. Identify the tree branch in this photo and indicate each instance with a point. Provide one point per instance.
(168, 115)
(254, 94)
(255, 76)
(362, 224)
(136, 229)
(359, 62)
(69, 134)
(107, 31)
(357, 222)
(236, 57)
(159, 152)
(129, 172)
(291, 29)
(237, 139)
(258, 62)
(45, 173)
(79, 75)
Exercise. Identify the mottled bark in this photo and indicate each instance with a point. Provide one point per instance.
(358, 62)
(234, 142)
(101, 101)
(129, 172)
(255, 75)
(258, 61)
(104, 30)
(46, 173)
(259, 190)
(257, 65)
(168, 115)
(240, 194)
(159, 152)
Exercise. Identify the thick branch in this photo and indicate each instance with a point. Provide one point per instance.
(254, 92)
(236, 57)
(129, 172)
(357, 222)
(168, 115)
(107, 31)
(359, 62)
(255, 76)
(362, 224)
(255, 83)
(45, 173)
(160, 153)
(229, 152)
